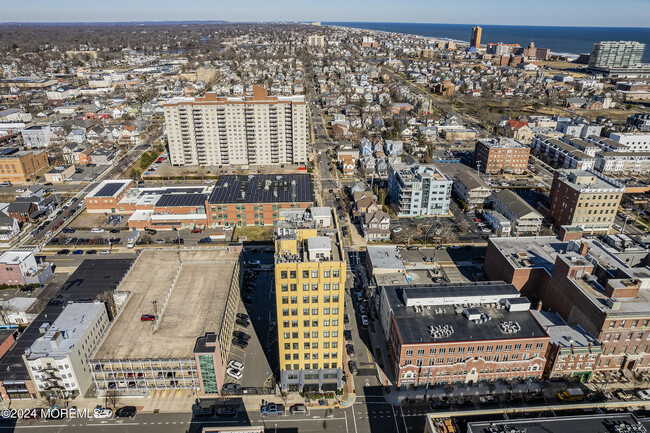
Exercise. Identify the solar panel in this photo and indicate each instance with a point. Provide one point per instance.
(181, 200)
(264, 188)
(109, 189)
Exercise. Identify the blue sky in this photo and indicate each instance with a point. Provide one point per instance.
(607, 13)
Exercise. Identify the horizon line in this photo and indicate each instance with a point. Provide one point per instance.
(336, 23)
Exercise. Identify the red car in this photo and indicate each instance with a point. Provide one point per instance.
(196, 231)
(478, 220)
(147, 317)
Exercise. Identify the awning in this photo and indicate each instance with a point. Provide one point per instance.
(330, 387)
(310, 387)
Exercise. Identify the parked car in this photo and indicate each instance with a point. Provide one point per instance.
(243, 316)
(353, 367)
(117, 231)
(346, 319)
(236, 364)
(298, 409)
(347, 334)
(68, 230)
(126, 412)
(364, 320)
(234, 373)
(97, 230)
(644, 394)
(397, 229)
(77, 252)
(232, 387)
(241, 335)
(147, 318)
(243, 344)
(244, 323)
(196, 231)
(272, 409)
(350, 349)
(91, 252)
(253, 262)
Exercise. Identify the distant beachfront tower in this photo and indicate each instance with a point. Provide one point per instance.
(475, 41)
(316, 41)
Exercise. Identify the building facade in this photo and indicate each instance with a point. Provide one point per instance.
(584, 198)
(310, 274)
(435, 337)
(419, 189)
(503, 154)
(58, 361)
(254, 129)
(22, 166)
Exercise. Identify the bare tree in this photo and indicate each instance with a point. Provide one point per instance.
(111, 398)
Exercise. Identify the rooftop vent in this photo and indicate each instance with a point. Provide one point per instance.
(440, 331)
(509, 327)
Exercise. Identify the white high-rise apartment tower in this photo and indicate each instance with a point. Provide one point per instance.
(254, 129)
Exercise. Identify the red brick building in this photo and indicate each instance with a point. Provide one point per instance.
(107, 195)
(503, 154)
(461, 333)
(255, 200)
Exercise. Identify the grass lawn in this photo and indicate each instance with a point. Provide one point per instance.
(254, 233)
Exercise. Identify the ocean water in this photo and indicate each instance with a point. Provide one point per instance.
(560, 40)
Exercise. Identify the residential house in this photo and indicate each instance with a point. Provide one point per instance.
(518, 130)
(471, 189)
(347, 158)
(376, 226)
(21, 211)
(524, 219)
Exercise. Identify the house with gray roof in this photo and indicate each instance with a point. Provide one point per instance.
(524, 219)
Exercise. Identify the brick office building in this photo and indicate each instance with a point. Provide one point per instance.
(22, 166)
(256, 200)
(461, 333)
(584, 198)
(603, 290)
(106, 196)
(503, 154)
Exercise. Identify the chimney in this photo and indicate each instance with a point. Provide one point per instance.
(584, 247)
(539, 306)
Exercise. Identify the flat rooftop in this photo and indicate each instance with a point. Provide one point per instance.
(196, 305)
(530, 252)
(562, 333)
(109, 188)
(601, 423)
(263, 188)
(65, 332)
(501, 143)
(589, 181)
(412, 323)
(91, 278)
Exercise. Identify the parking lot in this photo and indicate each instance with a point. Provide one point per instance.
(260, 356)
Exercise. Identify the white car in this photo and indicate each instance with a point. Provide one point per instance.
(20, 190)
(397, 229)
(105, 252)
(234, 373)
(644, 394)
(236, 365)
(364, 320)
(102, 413)
(227, 228)
(97, 230)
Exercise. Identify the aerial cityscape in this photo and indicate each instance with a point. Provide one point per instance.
(253, 225)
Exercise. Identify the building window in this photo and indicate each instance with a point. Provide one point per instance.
(408, 353)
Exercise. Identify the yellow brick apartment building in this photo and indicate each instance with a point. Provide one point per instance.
(310, 275)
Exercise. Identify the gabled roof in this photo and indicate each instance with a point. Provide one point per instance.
(516, 204)
(516, 124)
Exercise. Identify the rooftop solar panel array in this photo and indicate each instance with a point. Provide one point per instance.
(263, 188)
(109, 189)
(181, 200)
